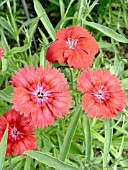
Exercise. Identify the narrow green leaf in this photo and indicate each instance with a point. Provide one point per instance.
(44, 38)
(62, 8)
(6, 26)
(34, 60)
(3, 145)
(18, 49)
(118, 66)
(125, 84)
(4, 42)
(28, 162)
(4, 96)
(14, 160)
(4, 64)
(88, 141)
(69, 6)
(63, 21)
(80, 11)
(43, 61)
(19, 165)
(44, 19)
(90, 8)
(70, 134)
(107, 140)
(29, 22)
(105, 45)
(2, 3)
(107, 31)
(49, 160)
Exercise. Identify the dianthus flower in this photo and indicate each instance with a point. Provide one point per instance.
(75, 46)
(103, 93)
(20, 133)
(41, 93)
(1, 52)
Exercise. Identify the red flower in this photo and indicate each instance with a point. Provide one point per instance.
(75, 46)
(20, 134)
(103, 94)
(41, 93)
(1, 52)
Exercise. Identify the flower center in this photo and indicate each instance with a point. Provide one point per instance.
(15, 132)
(40, 95)
(101, 95)
(71, 43)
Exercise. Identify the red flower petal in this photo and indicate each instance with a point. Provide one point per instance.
(56, 54)
(78, 55)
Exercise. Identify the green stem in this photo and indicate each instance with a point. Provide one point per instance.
(107, 141)
(69, 135)
(70, 3)
(87, 132)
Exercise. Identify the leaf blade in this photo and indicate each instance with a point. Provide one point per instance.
(49, 160)
(3, 145)
(44, 19)
(107, 31)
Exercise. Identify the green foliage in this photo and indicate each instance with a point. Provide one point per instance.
(3, 145)
(49, 160)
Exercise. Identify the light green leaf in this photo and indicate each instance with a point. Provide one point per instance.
(44, 19)
(105, 45)
(43, 61)
(4, 96)
(90, 8)
(62, 8)
(125, 84)
(49, 160)
(14, 160)
(29, 22)
(107, 31)
(3, 145)
(70, 134)
(18, 49)
(6, 26)
(28, 162)
(4, 42)
(4, 64)
(118, 66)
(2, 3)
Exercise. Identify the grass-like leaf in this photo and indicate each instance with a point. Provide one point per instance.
(6, 26)
(125, 84)
(107, 31)
(15, 50)
(3, 144)
(49, 160)
(4, 96)
(44, 19)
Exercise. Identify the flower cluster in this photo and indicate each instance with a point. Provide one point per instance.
(42, 94)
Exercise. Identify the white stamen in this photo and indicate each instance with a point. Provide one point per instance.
(72, 43)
